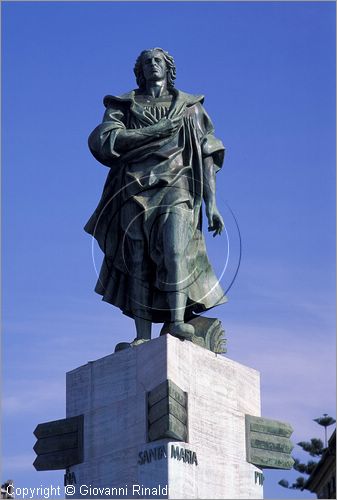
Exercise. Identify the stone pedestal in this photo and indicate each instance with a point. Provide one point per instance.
(112, 394)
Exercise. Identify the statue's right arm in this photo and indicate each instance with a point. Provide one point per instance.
(128, 139)
(112, 139)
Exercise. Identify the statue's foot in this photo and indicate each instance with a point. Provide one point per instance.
(138, 341)
(182, 330)
(165, 328)
(122, 345)
(126, 345)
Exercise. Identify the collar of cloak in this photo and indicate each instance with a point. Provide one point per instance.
(179, 97)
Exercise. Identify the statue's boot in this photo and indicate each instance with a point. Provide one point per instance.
(182, 330)
(138, 341)
(125, 345)
(122, 345)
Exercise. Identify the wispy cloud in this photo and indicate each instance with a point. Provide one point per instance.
(21, 462)
(33, 396)
(297, 374)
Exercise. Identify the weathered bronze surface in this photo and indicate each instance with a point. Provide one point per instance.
(267, 443)
(167, 412)
(59, 443)
(162, 154)
(165, 389)
(267, 426)
(165, 406)
(208, 333)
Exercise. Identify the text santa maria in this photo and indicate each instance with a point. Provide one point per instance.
(162, 452)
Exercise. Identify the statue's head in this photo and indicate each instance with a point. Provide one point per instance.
(165, 64)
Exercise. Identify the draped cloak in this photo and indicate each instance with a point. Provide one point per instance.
(144, 185)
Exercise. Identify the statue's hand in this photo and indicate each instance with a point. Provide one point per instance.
(215, 221)
(167, 126)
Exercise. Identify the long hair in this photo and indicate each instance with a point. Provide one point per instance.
(170, 65)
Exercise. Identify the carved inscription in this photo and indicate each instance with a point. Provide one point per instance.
(147, 456)
(187, 456)
(160, 452)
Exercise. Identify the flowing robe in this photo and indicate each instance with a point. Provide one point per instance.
(144, 187)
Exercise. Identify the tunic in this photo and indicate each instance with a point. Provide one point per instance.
(146, 189)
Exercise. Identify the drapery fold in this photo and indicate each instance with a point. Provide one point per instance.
(144, 185)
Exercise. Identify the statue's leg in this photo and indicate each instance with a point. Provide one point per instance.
(143, 328)
(176, 233)
(139, 292)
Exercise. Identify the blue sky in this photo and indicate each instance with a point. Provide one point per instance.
(268, 73)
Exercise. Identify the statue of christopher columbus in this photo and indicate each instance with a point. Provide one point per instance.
(159, 145)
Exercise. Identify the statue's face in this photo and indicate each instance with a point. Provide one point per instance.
(154, 66)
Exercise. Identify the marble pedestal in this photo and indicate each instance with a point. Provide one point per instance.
(111, 393)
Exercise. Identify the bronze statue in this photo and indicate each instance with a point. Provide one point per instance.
(159, 145)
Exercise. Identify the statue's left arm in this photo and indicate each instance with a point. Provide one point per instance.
(213, 153)
(215, 220)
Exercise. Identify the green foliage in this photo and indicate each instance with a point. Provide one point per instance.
(325, 421)
(311, 464)
(304, 468)
(314, 447)
(298, 485)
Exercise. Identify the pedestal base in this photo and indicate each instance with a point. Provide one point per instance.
(120, 461)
